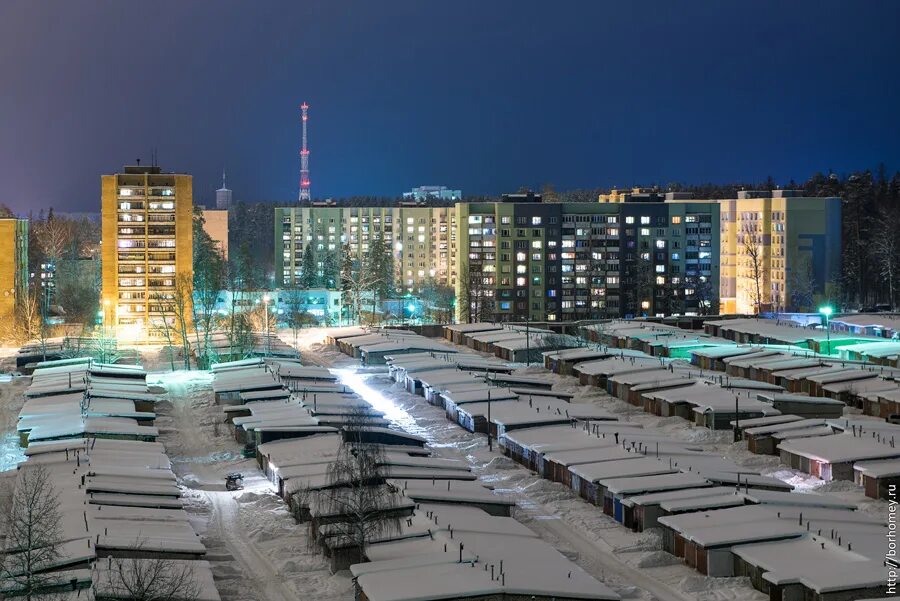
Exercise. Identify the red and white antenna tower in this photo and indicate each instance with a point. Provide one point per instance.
(304, 158)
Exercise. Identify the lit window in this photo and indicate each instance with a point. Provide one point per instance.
(645, 220)
(629, 219)
(535, 221)
(521, 281)
(645, 231)
(660, 244)
(660, 269)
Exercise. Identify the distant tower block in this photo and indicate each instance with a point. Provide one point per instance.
(304, 158)
(223, 195)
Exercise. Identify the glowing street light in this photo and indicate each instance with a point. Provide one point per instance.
(826, 311)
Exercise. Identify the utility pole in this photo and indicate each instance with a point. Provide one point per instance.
(266, 307)
(490, 440)
(527, 338)
(737, 420)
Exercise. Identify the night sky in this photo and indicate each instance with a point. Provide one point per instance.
(482, 95)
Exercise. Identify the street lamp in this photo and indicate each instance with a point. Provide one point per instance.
(826, 312)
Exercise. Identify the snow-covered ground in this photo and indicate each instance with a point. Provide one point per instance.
(259, 553)
(256, 549)
(631, 563)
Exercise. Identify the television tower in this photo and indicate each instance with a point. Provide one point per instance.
(304, 158)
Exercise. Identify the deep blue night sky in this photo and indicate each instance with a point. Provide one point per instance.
(482, 95)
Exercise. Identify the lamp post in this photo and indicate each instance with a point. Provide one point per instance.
(826, 312)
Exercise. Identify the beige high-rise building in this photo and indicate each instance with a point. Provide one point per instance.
(13, 264)
(215, 224)
(147, 248)
(779, 250)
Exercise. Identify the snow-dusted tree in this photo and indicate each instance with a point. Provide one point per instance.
(886, 249)
(802, 285)
(308, 275)
(209, 280)
(330, 270)
(146, 579)
(33, 534)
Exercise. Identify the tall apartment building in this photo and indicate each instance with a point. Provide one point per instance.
(422, 240)
(147, 234)
(13, 264)
(521, 258)
(779, 249)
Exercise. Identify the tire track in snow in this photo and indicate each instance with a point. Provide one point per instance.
(254, 564)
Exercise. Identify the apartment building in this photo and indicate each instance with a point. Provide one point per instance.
(779, 249)
(422, 240)
(215, 224)
(147, 238)
(13, 264)
(525, 259)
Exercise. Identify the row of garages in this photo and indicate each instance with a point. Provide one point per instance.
(91, 444)
(449, 536)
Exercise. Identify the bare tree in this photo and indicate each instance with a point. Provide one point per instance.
(33, 534)
(146, 579)
(164, 328)
(358, 491)
(473, 296)
(182, 303)
(706, 295)
(755, 263)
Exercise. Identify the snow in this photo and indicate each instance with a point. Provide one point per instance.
(255, 549)
(579, 530)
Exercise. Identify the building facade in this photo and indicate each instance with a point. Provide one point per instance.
(321, 304)
(215, 224)
(421, 239)
(423, 193)
(147, 249)
(779, 250)
(524, 259)
(13, 264)
(223, 196)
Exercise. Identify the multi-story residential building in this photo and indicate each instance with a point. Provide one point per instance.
(779, 249)
(422, 240)
(433, 193)
(215, 224)
(13, 264)
(147, 233)
(522, 258)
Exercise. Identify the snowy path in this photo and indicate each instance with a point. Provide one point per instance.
(257, 551)
(629, 562)
(264, 577)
